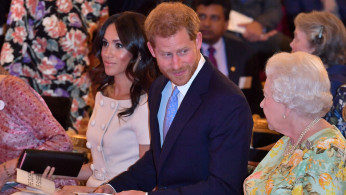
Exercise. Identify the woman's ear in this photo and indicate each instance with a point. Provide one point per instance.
(287, 111)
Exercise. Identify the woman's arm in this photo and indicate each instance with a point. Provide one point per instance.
(7, 171)
(143, 149)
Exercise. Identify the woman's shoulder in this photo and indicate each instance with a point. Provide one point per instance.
(329, 139)
(9, 79)
(13, 83)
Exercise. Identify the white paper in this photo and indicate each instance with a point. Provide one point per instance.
(236, 18)
(35, 181)
(28, 191)
(245, 82)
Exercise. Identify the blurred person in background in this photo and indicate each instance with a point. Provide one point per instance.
(295, 7)
(324, 35)
(232, 57)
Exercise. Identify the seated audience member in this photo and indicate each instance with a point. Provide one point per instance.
(260, 34)
(118, 131)
(295, 7)
(232, 57)
(337, 114)
(197, 117)
(26, 123)
(310, 157)
(324, 35)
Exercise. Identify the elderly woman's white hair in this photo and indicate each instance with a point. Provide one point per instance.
(300, 81)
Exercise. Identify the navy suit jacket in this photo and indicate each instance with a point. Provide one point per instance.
(206, 148)
(241, 62)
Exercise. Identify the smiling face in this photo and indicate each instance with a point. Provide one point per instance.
(300, 42)
(213, 23)
(115, 57)
(177, 56)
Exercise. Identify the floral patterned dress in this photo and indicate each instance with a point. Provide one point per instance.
(46, 44)
(317, 166)
(337, 114)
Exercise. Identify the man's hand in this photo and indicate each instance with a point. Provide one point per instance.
(105, 189)
(254, 32)
(330, 6)
(131, 192)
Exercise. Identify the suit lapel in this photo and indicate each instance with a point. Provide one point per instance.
(232, 64)
(188, 107)
(155, 131)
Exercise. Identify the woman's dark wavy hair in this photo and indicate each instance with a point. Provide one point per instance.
(130, 28)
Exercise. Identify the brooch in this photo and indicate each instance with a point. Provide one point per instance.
(2, 105)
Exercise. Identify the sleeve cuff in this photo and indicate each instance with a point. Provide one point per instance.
(111, 187)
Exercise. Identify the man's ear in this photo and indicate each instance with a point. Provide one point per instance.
(199, 40)
(151, 49)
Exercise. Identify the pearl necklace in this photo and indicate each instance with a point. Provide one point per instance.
(291, 148)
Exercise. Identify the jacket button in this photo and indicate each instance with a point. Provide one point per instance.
(99, 148)
(88, 145)
(93, 122)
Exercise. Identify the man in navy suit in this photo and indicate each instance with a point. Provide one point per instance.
(205, 150)
(233, 58)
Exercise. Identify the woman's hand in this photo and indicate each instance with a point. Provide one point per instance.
(3, 178)
(7, 171)
(48, 173)
(105, 189)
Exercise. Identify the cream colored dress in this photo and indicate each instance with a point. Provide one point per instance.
(114, 142)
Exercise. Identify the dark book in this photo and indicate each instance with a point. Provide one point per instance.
(65, 163)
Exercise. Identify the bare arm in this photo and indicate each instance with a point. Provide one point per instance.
(83, 174)
(143, 149)
(7, 171)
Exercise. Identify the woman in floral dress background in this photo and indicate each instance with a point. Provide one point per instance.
(46, 44)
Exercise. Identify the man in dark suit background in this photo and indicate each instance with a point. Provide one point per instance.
(205, 150)
(233, 58)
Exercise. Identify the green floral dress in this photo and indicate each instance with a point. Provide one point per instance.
(47, 45)
(317, 166)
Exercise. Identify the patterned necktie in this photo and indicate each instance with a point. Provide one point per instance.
(171, 110)
(211, 56)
